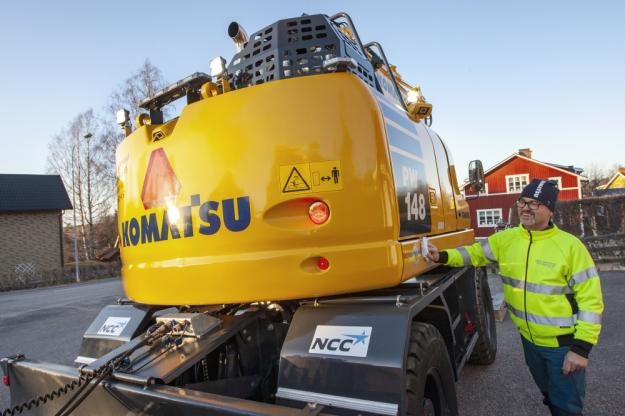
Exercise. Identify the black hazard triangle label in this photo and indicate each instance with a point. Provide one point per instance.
(295, 182)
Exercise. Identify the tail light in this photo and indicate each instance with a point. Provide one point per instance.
(323, 263)
(319, 212)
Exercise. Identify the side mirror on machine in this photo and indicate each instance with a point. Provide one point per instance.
(476, 175)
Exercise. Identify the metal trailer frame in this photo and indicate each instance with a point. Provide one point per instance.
(307, 383)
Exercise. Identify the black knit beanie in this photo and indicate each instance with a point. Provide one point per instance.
(545, 191)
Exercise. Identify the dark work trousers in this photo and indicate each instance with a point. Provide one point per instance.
(564, 394)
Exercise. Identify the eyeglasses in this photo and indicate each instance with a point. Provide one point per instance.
(533, 205)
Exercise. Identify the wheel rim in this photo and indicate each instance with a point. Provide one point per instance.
(434, 397)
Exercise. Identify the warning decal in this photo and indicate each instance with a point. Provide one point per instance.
(295, 182)
(311, 177)
(326, 176)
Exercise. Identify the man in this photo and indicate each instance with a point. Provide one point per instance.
(552, 291)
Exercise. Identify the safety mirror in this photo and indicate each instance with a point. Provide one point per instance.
(476, 175)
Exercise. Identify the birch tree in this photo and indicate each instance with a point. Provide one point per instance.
(143, 83)
(83, 153)
(75, 155)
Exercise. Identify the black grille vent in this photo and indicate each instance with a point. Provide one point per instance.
(294, 47)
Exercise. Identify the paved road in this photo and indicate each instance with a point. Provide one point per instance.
(506, 387)
(48, 323)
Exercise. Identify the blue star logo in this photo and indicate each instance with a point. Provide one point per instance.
(358, 338)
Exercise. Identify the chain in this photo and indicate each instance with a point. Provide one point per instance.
(84, 380)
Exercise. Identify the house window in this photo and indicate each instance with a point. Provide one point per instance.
(485, 190)
(516, 183)
(488, 217)
(557, 179)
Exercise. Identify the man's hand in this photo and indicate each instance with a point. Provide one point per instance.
(432, 253)
(573, 362)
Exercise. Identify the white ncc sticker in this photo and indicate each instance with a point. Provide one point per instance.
(113, 326)
(341, 340)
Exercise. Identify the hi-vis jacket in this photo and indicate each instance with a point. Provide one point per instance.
(551, 286)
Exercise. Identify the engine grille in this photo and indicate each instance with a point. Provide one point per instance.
(295, 47)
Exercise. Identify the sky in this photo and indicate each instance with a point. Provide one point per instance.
(501, 75)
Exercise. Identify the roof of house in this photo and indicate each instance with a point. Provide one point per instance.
(619, 172)
(32, 193)
(566, 169)
(570, 168)
(608, 192)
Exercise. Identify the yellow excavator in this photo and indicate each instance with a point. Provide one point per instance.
(273, 239)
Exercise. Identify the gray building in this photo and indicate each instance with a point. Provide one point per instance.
(31, 227)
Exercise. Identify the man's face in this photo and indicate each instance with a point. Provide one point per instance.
(533, 219)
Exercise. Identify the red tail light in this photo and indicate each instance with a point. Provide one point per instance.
(319, 212)
(5, 380)
(323, 263)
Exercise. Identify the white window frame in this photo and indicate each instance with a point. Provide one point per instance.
(485, 190)
(557, 179)
(521, 177)
(498, 211)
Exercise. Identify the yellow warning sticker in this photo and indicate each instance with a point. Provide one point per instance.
(311, 177)
(326, 176)
(295, 178)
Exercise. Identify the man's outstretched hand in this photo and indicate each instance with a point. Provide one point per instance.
(432, 253)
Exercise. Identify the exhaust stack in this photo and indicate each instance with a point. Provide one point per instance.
(238, 35)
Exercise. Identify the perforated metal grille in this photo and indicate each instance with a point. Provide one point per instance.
(294, 47)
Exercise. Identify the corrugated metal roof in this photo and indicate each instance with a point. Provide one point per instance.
(32, 193)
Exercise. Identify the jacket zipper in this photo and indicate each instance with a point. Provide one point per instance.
(527, 260)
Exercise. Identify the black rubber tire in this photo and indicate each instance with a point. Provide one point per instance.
(429, 375)
(485, 350)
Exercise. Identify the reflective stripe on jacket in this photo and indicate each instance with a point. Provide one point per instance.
(551, 285)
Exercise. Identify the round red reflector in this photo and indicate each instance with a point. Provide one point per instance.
(323, 263)
(319, 212)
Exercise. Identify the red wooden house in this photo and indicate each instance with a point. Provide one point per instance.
(504, 183)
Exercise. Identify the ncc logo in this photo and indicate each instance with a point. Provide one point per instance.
(113, 326)
(341, 340)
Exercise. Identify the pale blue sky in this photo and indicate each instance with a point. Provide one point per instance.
(502, 75)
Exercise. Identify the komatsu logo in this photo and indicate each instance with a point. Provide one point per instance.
(184, 221)
(341, 340)
(161, 188)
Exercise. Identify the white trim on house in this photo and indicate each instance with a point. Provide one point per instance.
(568, 172)
(513, 193)
(616, 175)
(520, 177)
(493, 211)
(557, 179)
(501, 193)
(579, 188)
(485, 191)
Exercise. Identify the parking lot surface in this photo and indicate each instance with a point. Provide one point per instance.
(47, 324)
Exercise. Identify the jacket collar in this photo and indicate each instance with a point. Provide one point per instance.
(548, 232)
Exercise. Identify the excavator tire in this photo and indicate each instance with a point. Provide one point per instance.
(486, 348)
(430, 386)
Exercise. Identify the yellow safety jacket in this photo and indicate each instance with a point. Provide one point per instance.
(551, 285)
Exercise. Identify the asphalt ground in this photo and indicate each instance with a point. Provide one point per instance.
(47, 324)
(506, 387)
